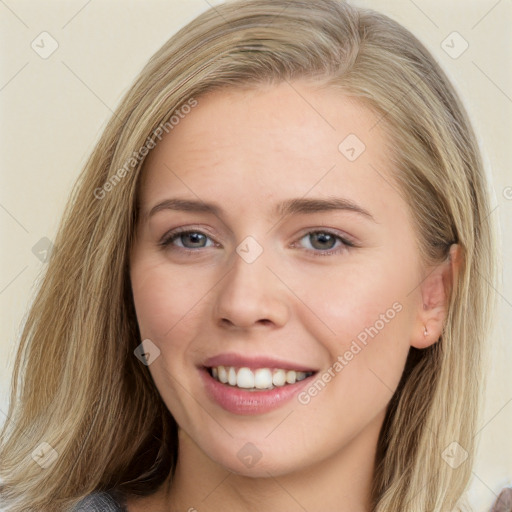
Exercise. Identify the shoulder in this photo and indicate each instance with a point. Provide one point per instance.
(504, 501)
(99, 502)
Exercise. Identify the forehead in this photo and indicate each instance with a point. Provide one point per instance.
(284, 139)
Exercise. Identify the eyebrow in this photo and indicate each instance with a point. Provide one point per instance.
(315, 205)
(283, 209)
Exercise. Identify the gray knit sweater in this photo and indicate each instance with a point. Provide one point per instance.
(105, 502)
(99, 502)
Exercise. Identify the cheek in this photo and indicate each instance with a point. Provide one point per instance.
(359, 296)
(367, 353)
(167, 303)
(168, 306)
(370, 314)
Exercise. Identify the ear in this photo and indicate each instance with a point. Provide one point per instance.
(435, 290)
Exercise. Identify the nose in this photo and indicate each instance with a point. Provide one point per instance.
(250, 294)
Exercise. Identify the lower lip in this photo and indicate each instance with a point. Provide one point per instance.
(239, 401)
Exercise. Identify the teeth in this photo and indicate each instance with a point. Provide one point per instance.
(279, 378)
(245, 378)
(291, 377)
(232, 376)
(223, 374)
(262, 378)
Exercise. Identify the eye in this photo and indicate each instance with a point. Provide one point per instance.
(319, 243)
(186, 240)
(324, 243)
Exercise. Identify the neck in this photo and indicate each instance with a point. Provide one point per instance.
(342, 482)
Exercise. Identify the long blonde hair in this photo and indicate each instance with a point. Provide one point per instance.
(77, 384)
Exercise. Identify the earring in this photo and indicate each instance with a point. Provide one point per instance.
(425, 332)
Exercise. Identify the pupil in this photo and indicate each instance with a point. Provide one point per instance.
(323, 238)
(195, 238)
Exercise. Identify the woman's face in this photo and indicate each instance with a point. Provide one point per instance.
(300, 256)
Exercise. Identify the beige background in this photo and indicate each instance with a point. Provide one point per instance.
(53, 110)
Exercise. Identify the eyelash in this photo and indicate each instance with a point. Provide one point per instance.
(169, 238)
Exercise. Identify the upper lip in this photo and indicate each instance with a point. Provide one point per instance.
(254, 362)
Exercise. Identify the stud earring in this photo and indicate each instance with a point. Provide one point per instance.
(425, 332)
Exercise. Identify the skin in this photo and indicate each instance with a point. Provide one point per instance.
(247, 150)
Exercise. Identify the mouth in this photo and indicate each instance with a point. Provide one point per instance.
(259, 379)
(252, 385)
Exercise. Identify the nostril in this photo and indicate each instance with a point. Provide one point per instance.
(225, 322)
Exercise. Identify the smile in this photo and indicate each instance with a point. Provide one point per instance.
(256, 379)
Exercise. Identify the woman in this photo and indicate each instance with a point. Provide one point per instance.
(203, 357)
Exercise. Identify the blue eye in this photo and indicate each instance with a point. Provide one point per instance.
(196, 239)
(323, 243)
